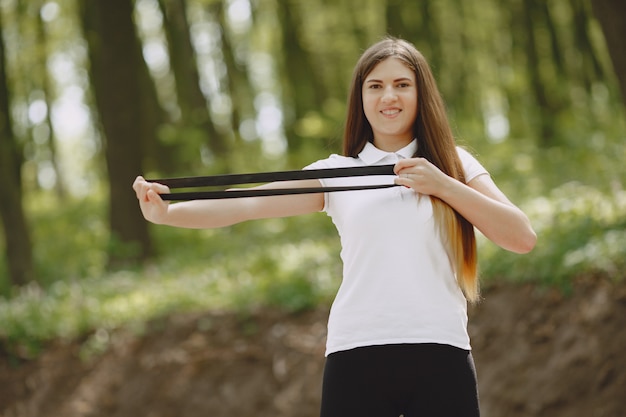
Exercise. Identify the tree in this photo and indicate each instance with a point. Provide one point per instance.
(46, 86)
(302, 90)
(118, 73)
(238, 82)
(195, 115)
(611, 15)
(16, 233)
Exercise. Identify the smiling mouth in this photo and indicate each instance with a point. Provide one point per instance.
(390, 112)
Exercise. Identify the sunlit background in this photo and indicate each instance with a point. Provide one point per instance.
(529, 85)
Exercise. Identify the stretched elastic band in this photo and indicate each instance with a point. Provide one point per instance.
(307, 174)
(233, 179)
(214, 195)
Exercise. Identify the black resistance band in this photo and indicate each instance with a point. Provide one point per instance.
(233, 179)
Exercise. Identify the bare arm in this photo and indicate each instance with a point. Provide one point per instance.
(481, 202)
(206, 214)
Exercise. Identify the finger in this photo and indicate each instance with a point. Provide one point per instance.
(141, 188)
(137, 183)
(160, 188)
(402, 181)
(153, 197)
(403, 164)
(142, 195)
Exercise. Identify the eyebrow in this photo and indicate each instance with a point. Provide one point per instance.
(395, 81)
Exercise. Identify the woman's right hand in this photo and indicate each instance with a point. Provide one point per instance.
(210, 214)
(153, 207)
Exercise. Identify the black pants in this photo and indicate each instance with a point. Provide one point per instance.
(413, 380)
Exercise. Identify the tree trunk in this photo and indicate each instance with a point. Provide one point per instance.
(555, 46)
(239, 84)
(193, 104)
(612, 14)
(116, 75)
(16, 233)
(302, 91)
(156, 154)
(46, 85)
(543, 114)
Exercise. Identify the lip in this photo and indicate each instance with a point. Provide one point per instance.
(391, 112)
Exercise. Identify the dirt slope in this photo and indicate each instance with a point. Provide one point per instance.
(537, 354)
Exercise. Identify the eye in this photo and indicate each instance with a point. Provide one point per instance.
(374, 86)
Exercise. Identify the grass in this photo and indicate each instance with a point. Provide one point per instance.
(283, 263)
(581, 231)
(290, 263)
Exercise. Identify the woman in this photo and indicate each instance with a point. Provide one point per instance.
(397, 333)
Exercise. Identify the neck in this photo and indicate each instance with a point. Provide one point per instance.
(391, 144)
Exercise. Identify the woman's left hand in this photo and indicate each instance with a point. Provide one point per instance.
(480, 202)
(421, 175)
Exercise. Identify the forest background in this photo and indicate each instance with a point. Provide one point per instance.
(93, 93)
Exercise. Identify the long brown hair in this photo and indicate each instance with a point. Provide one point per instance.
(435, 142)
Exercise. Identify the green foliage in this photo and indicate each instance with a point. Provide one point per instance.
(581, 231)
(286, 263)
(560, 156)
(71, 238)
(292, 264)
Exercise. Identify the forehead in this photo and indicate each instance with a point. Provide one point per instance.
(391, 68)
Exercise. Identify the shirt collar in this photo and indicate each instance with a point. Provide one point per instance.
(372, 155)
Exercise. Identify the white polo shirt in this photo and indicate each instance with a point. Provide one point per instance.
(398, 283)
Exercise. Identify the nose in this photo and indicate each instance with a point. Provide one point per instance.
(389, 94)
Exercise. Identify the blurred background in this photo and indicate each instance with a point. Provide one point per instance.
(94, 93)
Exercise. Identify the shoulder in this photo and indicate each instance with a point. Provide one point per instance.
(334, 161)
(464, 154)
(471, 165)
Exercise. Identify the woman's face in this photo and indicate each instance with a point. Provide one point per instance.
(390, 103)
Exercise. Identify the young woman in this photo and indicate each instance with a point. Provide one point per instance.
(397, 333)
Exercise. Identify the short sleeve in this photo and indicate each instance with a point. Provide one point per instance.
(471, 166)
(333, 161)
(321, 164)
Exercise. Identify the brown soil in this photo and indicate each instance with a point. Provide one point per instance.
(538, 353)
